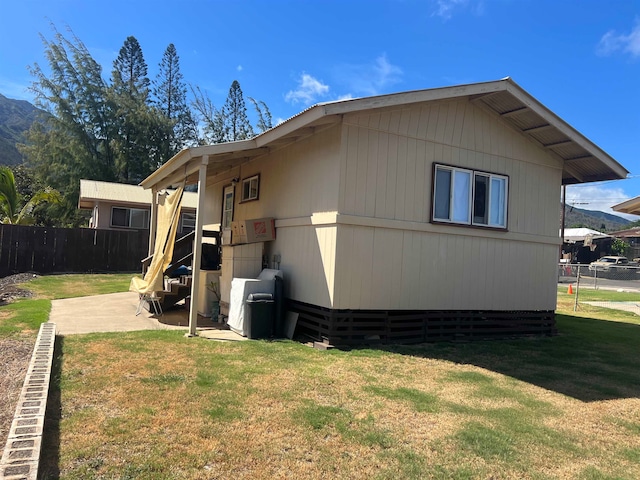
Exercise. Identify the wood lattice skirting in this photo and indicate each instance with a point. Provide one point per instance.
(357, 327)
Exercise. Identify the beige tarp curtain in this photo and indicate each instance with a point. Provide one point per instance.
(168, 215)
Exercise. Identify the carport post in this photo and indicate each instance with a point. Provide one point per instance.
(197, 246)
(153, 225)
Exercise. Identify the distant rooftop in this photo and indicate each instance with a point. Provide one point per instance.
(92, 191)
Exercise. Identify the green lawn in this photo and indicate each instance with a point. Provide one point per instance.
(156, 405)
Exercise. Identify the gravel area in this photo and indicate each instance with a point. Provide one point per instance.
(8, 289)
(15, 354)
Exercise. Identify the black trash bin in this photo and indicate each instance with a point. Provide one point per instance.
(259, 315)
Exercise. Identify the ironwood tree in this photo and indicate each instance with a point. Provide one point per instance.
(74, 139)
(121, 130)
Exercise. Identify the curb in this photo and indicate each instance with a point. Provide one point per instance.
(22, 452)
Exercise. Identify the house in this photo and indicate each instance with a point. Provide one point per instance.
(399, 218)
(584, 245)
(116, 206)
(630, 235)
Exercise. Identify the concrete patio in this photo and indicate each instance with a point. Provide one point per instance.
(116, 312)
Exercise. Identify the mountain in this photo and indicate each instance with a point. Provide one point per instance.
(576, 217)
(16, 117)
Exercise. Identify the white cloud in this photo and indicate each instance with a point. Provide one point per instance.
(446, 8)
(612, 42)
(370, 79)
(597, 198)
(308, 91)
(239, 68)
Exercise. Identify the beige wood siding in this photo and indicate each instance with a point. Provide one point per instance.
(296, 183)
(387, 161)
(389, 268)
(308, 262)
(388, 254)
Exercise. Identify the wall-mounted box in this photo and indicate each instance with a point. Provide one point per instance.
(252, 231)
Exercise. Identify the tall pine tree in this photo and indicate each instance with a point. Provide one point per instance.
(170, 94)
(236, 124)
(139, 128)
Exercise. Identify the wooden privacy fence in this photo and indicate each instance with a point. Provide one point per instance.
(65, 250)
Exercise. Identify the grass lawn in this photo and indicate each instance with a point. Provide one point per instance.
(155, 405)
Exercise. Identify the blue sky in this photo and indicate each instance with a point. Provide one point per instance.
(579, 58)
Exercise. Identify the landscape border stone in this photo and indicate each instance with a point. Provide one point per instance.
(21, 456)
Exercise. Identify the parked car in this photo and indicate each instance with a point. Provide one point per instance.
(614, 267)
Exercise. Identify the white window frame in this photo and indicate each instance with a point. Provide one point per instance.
(129, 211)
(187, 219)
(250, 188)
(227, 208)
(462, 198)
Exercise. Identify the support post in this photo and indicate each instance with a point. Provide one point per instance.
(197, 246)
(153, 221)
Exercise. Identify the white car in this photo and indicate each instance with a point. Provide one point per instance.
(613, 266)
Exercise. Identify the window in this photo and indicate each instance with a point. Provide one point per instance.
(250, 188)
(187, 223)
(227, 207)
(129, 217)
(469, 197)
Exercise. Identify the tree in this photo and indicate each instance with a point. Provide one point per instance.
(74, 140)
(619, 247)
(210, 117)
(264, 115)
(10, 200)
(170, 94)
(138, 128)
(231, 122)
(234, 116)
(130, 71)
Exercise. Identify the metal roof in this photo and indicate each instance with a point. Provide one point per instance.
(92, 191)
(583, 160)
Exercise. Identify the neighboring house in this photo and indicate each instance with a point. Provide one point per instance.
(585, 245)
(116, 206)
(400, 218)
(631, 235)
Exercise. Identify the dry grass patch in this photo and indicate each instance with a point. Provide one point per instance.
(15, 354)
(155, 405)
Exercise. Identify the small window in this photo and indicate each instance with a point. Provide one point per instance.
(469, 197)
(187, 223)
(130, 218)
(250, 187)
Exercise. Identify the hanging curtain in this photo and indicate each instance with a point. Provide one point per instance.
(168, 216)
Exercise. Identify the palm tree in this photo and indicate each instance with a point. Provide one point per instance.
(9, 200)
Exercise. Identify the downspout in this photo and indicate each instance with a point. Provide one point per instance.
(197, 247)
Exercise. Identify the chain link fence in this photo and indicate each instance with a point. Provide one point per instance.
(600, 276)
(606, 277)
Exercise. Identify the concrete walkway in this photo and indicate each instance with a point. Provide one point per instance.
(116, 312)
(633, 307)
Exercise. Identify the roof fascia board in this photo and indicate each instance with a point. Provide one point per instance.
(172, 169)
(286, 128)
(169, 168)
(518, 92)
(629, 206)
(417, 96)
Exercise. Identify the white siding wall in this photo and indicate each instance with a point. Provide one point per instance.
(390, 257)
